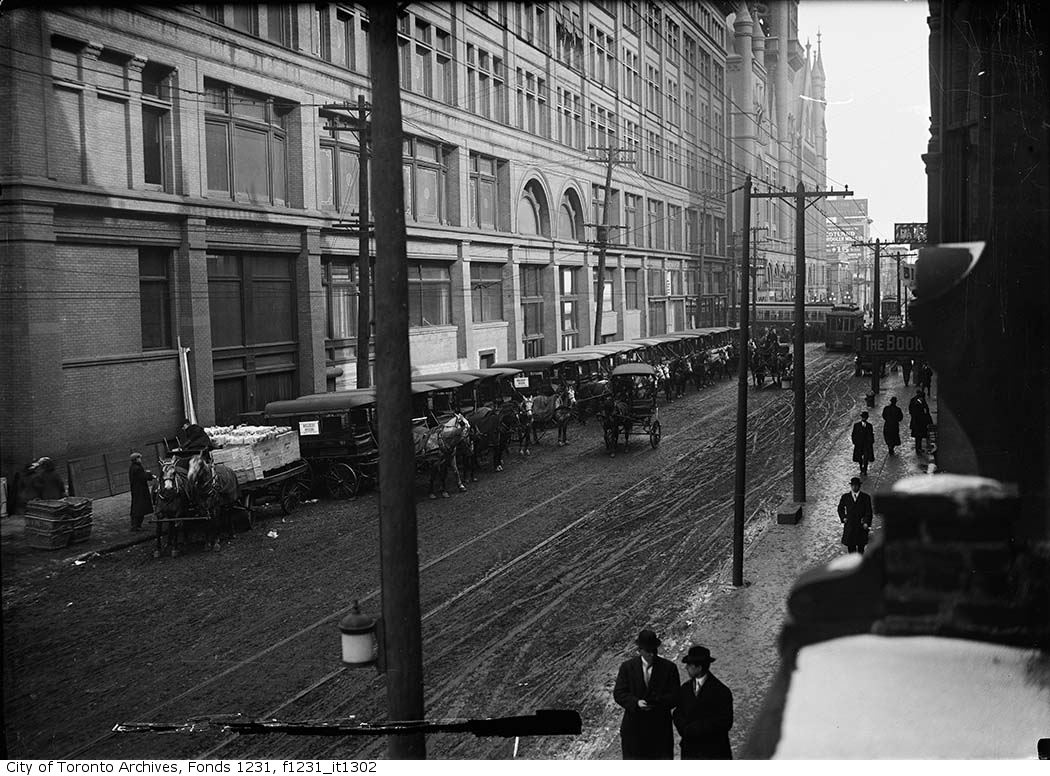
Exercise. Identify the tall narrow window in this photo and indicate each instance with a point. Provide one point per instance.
(155, 298)
(486, 292)
(425, 177)
(532, 309)
(570, 323)
(156, 125)
(483, 192)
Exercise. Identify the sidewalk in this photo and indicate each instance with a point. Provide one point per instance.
(741, 626)
(110, 531)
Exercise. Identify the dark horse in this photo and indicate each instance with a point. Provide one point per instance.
(616, 417)
(213, 488)
(490, 431)
(171, 498)
(536, 412)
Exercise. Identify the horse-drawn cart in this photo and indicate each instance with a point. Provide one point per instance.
(631, 402)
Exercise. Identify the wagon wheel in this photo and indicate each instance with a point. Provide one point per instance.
(341, 480)
(654, 434)
(292, 496)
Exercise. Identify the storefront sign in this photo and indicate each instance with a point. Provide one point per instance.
(890, 343)
(914, 233)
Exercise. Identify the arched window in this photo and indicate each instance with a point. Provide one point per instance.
(570, 217)
(533, 212)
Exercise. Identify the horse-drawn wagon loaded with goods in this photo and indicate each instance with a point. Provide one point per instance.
(247, 467)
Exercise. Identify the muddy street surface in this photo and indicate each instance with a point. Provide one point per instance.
(533, 585)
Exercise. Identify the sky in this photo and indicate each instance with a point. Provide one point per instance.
(876, 62)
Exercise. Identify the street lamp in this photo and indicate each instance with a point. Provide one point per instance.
(362, 640)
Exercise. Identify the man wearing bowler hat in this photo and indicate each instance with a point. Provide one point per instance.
(646, 686)
(855, 515)
(703, 712)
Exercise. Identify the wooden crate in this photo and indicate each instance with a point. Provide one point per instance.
(279, 451)
(48, 540)
(242, 459)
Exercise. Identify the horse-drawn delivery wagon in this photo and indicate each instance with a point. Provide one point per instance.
(630, 403)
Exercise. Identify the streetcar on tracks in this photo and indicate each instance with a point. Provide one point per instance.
(781, 316)
(843, 322)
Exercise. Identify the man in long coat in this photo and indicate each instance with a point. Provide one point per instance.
(891, 419)
(141, 499)
(855, 515)
(703, 713)
(646, 686)
(919, 412)
(863, 438)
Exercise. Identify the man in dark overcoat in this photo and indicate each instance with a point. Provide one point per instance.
(863, 438)
(141, 498)
(920, 419)
(703, 713)
(47, 482)
(855, 515)
(891, 428)
(646, 686)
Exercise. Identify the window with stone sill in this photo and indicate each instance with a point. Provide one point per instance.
(246, 144)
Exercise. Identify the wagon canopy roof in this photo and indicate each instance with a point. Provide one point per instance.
(493, 371)
(540, 363)
(633, 369)
(462, 378)
(426, 386)
(334, 401)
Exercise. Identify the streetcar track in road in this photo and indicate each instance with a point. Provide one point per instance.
(662, 504)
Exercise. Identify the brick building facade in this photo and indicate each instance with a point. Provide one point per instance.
(182, 175)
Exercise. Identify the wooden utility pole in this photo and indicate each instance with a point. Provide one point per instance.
(364, 257)
(798, 382)
(611, 158)
(399, 552)
(739, 490)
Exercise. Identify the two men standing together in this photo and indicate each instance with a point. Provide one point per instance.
(648, 689)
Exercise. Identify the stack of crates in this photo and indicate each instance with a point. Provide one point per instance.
(80, 512)
(48, 526)
(55, 523)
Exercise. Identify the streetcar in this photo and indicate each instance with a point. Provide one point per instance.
(781, 316)
(841, 326)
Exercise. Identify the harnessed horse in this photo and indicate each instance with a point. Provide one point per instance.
(536, 411)
(213, 488)
(490, 429)
(171, 498)
(616, 417)
(436, 450)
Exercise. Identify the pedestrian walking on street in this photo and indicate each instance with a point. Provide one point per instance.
(703, 713)
(892, 415)
(906, 369)
(863, 438)
(920, 419)
(646, 687)
(141, 497)
(855, 515)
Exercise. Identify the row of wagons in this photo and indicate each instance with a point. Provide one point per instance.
(337, 429)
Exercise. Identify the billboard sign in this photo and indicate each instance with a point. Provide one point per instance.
(914, 233)
(890, 343)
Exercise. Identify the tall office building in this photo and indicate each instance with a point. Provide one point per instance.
(189, 175)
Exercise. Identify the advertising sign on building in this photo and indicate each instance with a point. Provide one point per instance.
(914, 233)
(890, 343)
